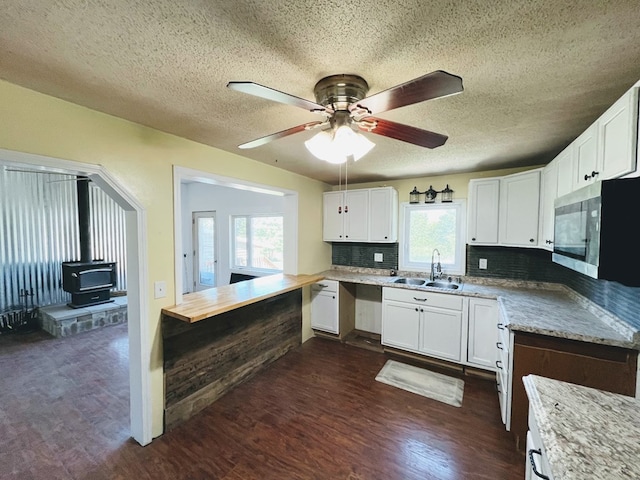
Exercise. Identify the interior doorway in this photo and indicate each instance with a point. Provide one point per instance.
(135, 224)
(205, 252)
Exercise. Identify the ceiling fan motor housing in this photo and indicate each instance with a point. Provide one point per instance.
(339, 91)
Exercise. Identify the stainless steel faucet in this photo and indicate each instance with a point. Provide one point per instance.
(435, 268)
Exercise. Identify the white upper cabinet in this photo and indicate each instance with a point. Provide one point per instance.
(383, 215)
(585, 154)
(361, 215)
(519, 209)
(484, 198)
(565, 171)
(607, 149)
(618, 136)
(547, 210)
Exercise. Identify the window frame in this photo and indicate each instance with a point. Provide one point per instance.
(232, 241)
(459, 268)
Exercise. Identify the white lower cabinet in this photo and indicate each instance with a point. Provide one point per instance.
(504, 369)
(400, 325)
(423, 322)
(325, 306)
(537, 466)
(483, 333)
(440, 333)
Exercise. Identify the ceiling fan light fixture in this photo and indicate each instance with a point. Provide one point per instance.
(337, 147)
(321, 146)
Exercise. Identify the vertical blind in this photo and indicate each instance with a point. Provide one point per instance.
(39, 231)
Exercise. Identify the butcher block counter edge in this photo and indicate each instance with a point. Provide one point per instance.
(214, 301)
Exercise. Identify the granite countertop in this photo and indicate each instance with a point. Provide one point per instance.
(586, 433)
(542, 308)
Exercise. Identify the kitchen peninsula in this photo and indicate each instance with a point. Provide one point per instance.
(219, 337)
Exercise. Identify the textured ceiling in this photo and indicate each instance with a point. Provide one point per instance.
(536, 73)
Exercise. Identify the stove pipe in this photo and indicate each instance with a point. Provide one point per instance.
(84, 219)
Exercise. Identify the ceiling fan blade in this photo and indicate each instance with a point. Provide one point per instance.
(284, 133)
(274, 95)
(405, 133)
(432, 85)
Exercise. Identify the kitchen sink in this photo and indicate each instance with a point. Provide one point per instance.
(410, 281)
(451, 286)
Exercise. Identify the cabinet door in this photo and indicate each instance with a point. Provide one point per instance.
(617, 137)
(519, 208)
(356, 215)
(332, 217)
(440, 333)
(324, 311)
(400, 325)
(565, 171)
(547, 211)
(586, 157)
(484, 198)
(483, 334)
(383, 215)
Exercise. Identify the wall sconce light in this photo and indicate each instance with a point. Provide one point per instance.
(430, 195)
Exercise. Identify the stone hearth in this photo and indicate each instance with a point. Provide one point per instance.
(63, 321)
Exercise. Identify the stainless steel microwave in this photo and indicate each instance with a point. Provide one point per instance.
(594, 230)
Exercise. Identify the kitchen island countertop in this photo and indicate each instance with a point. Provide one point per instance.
(586, 433)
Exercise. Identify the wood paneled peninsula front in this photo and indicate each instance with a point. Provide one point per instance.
(219, 337)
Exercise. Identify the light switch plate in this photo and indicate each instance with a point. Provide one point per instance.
(482, 264)
(160, 289)
(377, 257)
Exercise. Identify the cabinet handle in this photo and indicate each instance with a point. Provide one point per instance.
(501, 326)
(419, 299)
(323, 285)
(593, 175)
(339, 210)
(499, 364)
(498, 387)
(533, 464)
(549, 242)
(499, 345)
(346, 209)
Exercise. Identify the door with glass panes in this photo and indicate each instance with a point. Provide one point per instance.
(205, 259)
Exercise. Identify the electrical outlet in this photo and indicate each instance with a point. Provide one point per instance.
(482, 264)
(160, 289)
(377, 257)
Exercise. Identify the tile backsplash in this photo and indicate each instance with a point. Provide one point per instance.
(363, 255)
(536, 265)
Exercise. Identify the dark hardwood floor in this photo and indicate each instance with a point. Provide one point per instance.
(316, 413)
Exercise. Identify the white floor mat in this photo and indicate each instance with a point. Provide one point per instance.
(429, 384)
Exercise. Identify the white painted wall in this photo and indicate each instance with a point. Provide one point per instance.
(225, 201)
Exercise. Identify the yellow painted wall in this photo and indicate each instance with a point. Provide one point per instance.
(142, 160)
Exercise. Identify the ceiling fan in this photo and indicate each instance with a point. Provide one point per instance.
(342, 101)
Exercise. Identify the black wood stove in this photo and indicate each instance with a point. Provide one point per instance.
(88, 281)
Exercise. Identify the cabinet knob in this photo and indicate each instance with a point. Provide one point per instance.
(532, 240)
(385, 237)
(346, 209)
(416, 309)
(473, 239)
(549, 242)
(593, 175)
(339, 210)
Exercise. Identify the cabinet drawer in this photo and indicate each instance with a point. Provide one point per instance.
(325, 286)
(422, 297)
